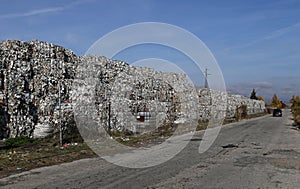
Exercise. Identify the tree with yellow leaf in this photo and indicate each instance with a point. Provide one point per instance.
(295, 101)
(261, 99)
(276, 102)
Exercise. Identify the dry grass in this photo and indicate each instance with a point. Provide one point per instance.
(38, 154)
(202, 125)
(157, 136)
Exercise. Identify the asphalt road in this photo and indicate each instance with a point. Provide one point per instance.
(259, 153)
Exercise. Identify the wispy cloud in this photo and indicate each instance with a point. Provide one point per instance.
(78, 2)
(272, 35)
(281, 31)
(32, 13)
(44, 10)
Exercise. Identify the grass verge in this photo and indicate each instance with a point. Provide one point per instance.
(39, 153)
(202, 125)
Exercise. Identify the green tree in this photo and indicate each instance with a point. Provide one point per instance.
(253, 95)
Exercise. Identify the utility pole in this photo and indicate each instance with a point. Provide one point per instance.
(206, 76)
(60, 115)
(109, 116)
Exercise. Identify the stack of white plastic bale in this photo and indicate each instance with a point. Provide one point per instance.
(36, 86)
(123, 92)
(32, 73)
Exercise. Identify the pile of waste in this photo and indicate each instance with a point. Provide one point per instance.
(42, 87)
(34, 77)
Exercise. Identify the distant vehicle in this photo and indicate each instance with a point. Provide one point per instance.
(277, 112)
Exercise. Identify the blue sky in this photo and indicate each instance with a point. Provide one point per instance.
(256, 43)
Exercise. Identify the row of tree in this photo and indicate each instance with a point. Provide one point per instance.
(253, 96)
(276, 102)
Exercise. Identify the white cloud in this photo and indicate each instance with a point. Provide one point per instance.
(44, 10)
(280, 32)
(272, 35)
(32, 12)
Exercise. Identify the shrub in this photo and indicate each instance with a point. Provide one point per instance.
(297, 119)
(296, 115)
(12, 143)
(244, 111)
